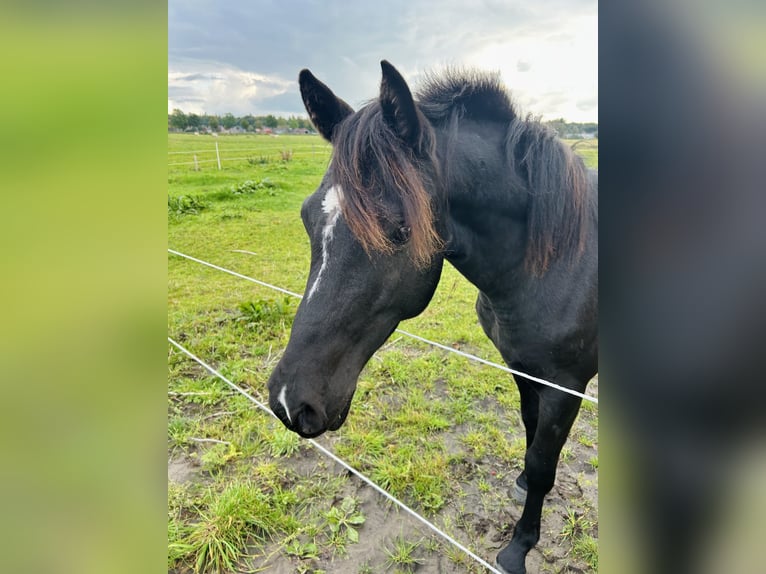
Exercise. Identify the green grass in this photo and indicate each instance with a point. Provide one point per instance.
(578, 530)
(240, 513)
(587, 149)
(401, 555)
(254, 493)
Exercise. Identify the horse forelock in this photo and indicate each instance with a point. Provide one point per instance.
(386, 181)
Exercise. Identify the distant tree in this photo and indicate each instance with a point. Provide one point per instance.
(250, 122)
(194, 121)
(229, 121)
(178, 120)
(565, 129)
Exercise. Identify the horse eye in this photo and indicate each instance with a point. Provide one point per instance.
(401, 235)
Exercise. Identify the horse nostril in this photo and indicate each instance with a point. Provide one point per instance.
(310, 423)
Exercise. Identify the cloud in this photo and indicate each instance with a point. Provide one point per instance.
(343, 43)
(193, 77)
(225, 90)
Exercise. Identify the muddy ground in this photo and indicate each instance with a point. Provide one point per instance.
(480, 518)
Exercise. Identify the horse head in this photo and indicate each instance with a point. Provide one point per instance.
(375, 249)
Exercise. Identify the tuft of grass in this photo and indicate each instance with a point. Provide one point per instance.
(232, 517)
(250, 186)
(177, 548)
(406, 472)
(260, 160)
(574, 524)
(420, 418)
(218, 540)
(205, 391)
(492, 441)
(585, 440)
(184, 205)
(577, 529)
(401, 554)
(218, 455)
(567, 453)
(179, 497)
(362, 446)
(458, 558)
(283, 442)
(179, 428)
(477, 442)
(585, 547)
(266, 316)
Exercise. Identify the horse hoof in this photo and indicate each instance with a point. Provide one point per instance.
(519, 493)
(504, 571)
(510, 562)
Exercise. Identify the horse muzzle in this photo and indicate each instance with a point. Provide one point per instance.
(306, 419)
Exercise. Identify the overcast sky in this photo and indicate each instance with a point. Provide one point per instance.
(243, 56)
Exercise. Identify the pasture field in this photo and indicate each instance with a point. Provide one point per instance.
(441, 433)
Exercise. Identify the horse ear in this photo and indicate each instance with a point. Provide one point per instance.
(325, 109)
(398, 106)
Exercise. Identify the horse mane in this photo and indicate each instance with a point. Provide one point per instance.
(465, 93)
(557, 182)
(377, 172)
(554, 177)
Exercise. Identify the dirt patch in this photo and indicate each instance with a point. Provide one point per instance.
(485, 531)
(182, 470)
(480, 512)
(481, 517)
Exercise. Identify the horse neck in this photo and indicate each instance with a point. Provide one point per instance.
(485, 217)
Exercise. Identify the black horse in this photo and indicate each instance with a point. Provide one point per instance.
(453, 174)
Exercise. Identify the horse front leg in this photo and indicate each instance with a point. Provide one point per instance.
(556, 413)
(530, 407)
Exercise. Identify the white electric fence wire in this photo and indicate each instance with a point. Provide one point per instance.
(230, 272)
(261, 150)
(501, 367)
(416, 337)
(331, 455)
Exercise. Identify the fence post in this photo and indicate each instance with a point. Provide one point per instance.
(217, 155)
(196, 165)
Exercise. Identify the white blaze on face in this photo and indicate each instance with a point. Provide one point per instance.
(331, 207)
(283, 401)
